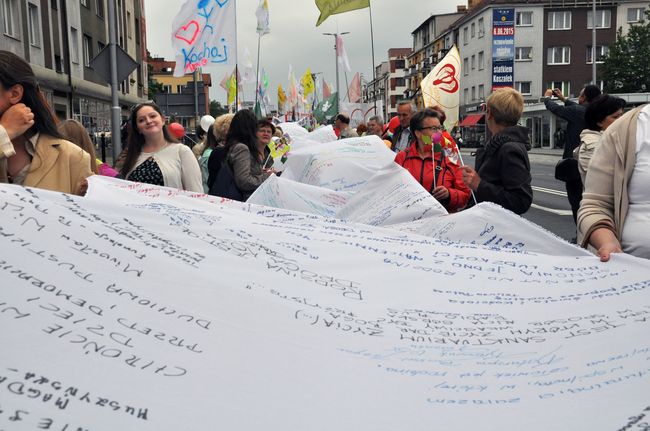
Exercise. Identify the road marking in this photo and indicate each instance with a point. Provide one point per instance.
(549, 191)
(553, 210)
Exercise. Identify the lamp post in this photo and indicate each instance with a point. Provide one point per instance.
(336, 63)
(593, 42)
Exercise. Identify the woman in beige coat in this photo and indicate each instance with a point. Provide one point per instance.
(615, 189)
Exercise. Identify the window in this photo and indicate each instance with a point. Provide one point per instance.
(465, 66)
(137, 31)
(465, 36)
(523, 87)
(481, 60)
(481, 91)
(167, 89)
(74, 45)
(564, 86)
(473, 30)
(559, 55)
(601, 53)
(400, 82)
(179, 88)
(99, 5)
(54, 4)
(87, 49)
(603, 19)
(466, 96)
(473, 93)
(635, 14)
(34, 25)
(481, 27)
(10, 18)
(129, 28)
(524, 53)
(524, 19)
(400, 64)
(473, 62)
(559, 20)
(84, 3)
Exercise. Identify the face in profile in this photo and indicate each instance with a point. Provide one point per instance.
(607, 121)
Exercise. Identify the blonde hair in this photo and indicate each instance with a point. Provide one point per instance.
(506, 106)
(75, 132)
(221, 126)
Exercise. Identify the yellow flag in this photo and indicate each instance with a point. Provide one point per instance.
(282, 98)
(307, 83)
(332, 7)
(232, 89)
(279, 147)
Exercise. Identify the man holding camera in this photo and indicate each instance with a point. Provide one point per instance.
(574, 114)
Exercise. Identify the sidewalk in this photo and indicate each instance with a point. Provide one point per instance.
(545, 151)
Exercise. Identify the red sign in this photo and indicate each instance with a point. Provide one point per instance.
(503, 31)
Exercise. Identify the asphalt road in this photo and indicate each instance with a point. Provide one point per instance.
(550, 207)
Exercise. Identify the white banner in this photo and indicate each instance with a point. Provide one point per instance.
(361, 112)
(140, 307)
(204, 33)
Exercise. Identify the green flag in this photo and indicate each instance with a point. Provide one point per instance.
(327, 108)
(258, 111)
(332, 7)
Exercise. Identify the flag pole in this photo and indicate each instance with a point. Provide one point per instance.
(347, 86)
(257, 74)
(372, 49)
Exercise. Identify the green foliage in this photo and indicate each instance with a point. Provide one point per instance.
(627, 66)
(155, 87)
(217, 109)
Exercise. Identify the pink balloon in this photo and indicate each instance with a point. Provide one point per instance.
(176, 130)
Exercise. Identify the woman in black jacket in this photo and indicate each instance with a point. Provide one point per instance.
(502, 173)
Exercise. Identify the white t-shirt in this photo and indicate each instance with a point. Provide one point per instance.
(636, 229)
(178, 165)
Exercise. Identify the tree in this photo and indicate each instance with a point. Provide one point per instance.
(217, 109)
(627, 66)
(155, 87)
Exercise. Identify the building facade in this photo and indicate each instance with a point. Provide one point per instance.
(179, 95)
(59, 39)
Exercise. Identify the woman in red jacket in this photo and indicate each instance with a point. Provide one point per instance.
(430, 168)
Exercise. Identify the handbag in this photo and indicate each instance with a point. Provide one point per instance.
(567, 170)
(224, 185)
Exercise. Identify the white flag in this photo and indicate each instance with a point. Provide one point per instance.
(249, 73)
(442, 86)
(341, 55)
(262, 14)
(204, 34)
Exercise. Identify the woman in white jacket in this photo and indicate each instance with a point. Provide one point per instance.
(600, 113)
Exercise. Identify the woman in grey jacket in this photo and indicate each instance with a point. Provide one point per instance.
(245, 156)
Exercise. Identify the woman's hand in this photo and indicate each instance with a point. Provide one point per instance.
(605, 242)
(441, 193)
(17, 120)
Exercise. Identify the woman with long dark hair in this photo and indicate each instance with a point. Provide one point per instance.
(153, 156)
(32, 151)
(246, 154)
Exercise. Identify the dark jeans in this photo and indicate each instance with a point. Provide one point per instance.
(574, 194)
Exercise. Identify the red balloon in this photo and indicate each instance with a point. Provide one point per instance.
(393, 123)
(176, 130)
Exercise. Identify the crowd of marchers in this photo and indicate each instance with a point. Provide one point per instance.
(606, 163)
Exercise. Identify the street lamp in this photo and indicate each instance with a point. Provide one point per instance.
(336, 62)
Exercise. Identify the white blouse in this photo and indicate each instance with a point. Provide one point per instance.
(636, 229)
(178, 165)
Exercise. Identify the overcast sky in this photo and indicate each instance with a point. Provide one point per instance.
(295, 40)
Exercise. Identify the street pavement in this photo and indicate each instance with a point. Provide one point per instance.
(550, 208)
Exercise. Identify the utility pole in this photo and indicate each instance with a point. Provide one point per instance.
(336, 63)
(115, 103)
(593, 43)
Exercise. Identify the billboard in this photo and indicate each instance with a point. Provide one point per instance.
(503, 47)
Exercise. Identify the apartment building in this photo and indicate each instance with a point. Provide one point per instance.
(59, 38)
(177, 100)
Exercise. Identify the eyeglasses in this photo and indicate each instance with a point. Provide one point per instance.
(434, 128)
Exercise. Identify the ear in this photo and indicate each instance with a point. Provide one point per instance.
(16, 94)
